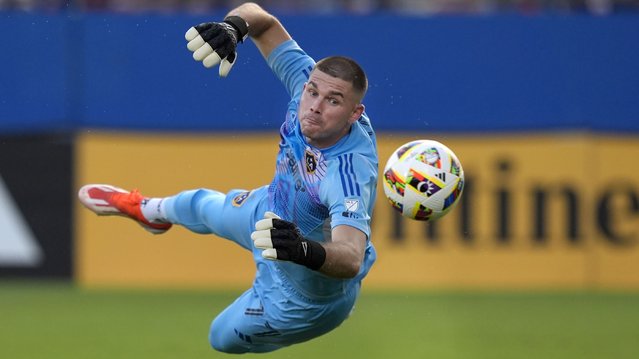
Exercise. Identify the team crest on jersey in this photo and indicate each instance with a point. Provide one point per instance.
(311, 162)
(239, 199)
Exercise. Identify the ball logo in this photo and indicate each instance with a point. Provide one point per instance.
(422, 184)
(432, 157)
(425, 187)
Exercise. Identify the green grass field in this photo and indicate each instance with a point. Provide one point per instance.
(57, 320)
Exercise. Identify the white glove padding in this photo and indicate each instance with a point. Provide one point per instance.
(213, 43)
(262, 235)
(282, 240)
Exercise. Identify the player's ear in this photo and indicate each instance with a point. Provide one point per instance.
(357, 113)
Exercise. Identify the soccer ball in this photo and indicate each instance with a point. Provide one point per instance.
(423, 180)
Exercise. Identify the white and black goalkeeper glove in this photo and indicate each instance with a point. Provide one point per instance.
(282, 240)
(216, 42)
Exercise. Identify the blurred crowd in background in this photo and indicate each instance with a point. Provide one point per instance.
(414, 7)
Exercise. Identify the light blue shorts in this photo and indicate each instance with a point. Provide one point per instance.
(272, 314)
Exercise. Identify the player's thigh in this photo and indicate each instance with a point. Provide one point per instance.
(254, 324)
(297, 321)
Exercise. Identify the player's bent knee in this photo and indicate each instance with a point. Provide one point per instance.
(226, 340)
(221, 343)
(228, 349)
(230, 341)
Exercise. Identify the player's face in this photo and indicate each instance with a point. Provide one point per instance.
(328, 108)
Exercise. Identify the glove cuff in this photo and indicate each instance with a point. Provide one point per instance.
(240, 25)
(315, 255)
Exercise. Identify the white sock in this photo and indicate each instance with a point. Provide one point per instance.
(153, 210)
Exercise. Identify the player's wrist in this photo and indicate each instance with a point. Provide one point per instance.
(313, 255)
(239, 25)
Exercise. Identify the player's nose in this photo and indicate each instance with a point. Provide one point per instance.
(316, 104)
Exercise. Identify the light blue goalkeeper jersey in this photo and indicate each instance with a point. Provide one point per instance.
(319, 189)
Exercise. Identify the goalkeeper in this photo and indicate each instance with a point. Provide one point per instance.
(309, 230)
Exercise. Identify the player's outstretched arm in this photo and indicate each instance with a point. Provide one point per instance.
(215, 43)
(265, 30)
(282, 240)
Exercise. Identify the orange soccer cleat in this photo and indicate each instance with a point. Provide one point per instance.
(107, 200)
